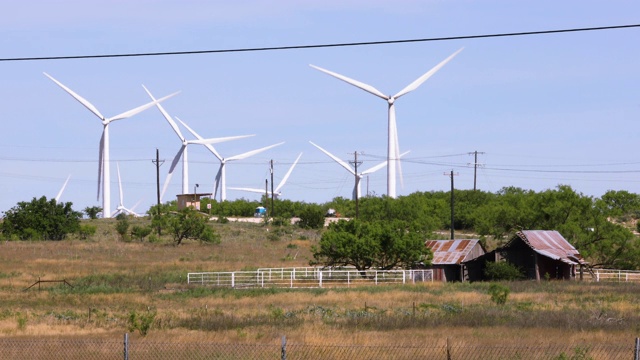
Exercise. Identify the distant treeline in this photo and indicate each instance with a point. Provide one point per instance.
(600, 228)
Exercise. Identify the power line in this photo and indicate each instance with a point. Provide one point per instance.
(316, 46)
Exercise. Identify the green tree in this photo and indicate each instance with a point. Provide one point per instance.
(41, 219)
(364, 245)
(311, 217)
(140, 232)
(122, 226)
(92, 211)
(188, 223)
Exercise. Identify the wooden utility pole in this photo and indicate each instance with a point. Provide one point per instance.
(355, 163)
(157, 162)
(452, 204)
(475, 167)
(272, 206)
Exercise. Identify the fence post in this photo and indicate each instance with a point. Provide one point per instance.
(636, 350)
(320, 278)
(126, 346)
(283, 348)
(233, 279)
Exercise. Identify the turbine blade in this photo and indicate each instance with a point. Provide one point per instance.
(120, 184)
(259, 191)
(208, 146)
(63, 187)
(100, 162)
(368, 88)
(175, 161)
(216, 140)
(80, 99)
(286, 176)
(336, 159)
(253, 152)
(374, 168)
(217, 181)
(164, 113)
(141, 108)
(414, 85)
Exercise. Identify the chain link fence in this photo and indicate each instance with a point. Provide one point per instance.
(147, 350)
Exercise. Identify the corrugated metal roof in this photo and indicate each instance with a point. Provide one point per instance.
(551, 244)
(450, 252)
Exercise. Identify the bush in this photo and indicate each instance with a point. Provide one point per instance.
(141, 322)
(140, 232)
(122, 226)
(502, 270)
(499, 293)
(311, 217)
(86, 231)
(40, 219)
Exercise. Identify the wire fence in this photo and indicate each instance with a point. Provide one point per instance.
(307, 277)
(142, 350)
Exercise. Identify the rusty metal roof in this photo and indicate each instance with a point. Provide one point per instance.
(551, 244)
(450, 252)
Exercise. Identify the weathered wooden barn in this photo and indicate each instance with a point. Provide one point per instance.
(450, 257)
(541, 254)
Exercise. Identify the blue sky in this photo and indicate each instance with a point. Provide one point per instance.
(544, 110)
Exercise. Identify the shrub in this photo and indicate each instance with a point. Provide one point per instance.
(499, 293)
(122, 226)
(86, 231)
(140, 232)
(141, 322)
(311, 217)
(502, 270)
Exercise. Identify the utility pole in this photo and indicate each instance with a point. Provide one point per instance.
(475, 166)
(452, 204)
(272, 206)
(266, 192)
(355, 164)
(157, 162)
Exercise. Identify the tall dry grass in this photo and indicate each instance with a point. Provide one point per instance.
(112, 279)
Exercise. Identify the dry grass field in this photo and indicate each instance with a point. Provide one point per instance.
(112, 279)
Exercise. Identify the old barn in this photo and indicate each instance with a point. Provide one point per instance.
(450, 257)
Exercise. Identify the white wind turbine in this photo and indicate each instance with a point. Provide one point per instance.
(121, 209)
(104, 174)
(356, 187)
(62, 188)
(276, 192)
(220, 181)
(393, 148)
(182, 153)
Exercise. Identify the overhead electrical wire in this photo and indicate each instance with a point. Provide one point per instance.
(316, 46)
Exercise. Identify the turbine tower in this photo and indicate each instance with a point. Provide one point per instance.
(220, 181)
(393, 148)
(356, 194)
(182, 153)
(104, 174)
(276, 192)
(121, 209)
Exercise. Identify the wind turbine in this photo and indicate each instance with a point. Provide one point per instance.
(62, 189)
(393, 148)
(120, 209)
(276, 192)
(104, 174)
(356, 187)
(221, 175)
(182, 153)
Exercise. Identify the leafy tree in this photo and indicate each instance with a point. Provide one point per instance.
(122, 226)
(41, 219)
(86, 231)
(188, 223)
(92, 211)
(311, 217)
(364, 245)
(140, 232)
(502, 270)
(620, 203)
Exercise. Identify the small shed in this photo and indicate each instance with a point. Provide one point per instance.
(542, 254)
(450, 257)
(190, 200)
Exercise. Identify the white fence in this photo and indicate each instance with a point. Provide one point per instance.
(308, 278)
(616, 275)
